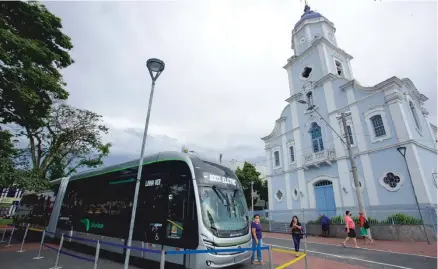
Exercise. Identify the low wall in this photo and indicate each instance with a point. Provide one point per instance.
(381, 232)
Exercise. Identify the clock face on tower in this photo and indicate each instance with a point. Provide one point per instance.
(302, 39)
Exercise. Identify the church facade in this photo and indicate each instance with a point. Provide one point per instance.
(307, 161)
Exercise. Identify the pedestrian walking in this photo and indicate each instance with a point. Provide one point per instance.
(296, 233)
(364, 226)
(350, 229)
(256, 232)
(325, 222)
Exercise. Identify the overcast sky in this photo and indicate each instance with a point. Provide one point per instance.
(224, 85)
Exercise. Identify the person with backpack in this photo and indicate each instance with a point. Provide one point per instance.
(364, 226)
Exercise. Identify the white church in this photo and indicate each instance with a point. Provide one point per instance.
(308, 166)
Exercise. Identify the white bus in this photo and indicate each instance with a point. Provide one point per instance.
(184, 203)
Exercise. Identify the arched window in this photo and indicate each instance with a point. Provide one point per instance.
(309, 99)
(379, 128)
(322, 183)
(339, 69)
(316, 135)
(414, 115)
(276, 158)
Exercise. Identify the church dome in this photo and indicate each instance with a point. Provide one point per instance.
(308, 14)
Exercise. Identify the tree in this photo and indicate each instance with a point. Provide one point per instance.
(9, 174)
(69, 139)
(249, 174)
(32, 50)
(7, 154)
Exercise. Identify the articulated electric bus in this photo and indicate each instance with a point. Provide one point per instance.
(184, 202)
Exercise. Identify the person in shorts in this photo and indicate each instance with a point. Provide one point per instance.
(364, 226)
(350, 228)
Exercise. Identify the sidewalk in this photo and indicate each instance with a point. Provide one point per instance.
(11, 259)
(415, 248)
(2, 227)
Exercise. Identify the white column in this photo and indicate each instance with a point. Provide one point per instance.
(370, 180)
(331, 106)
(298, 151)
(402, 129)
(329, 61)
(350, 69)
(303, 187)
(417, 175)
(296, 132)
(269, 178)
(285, 164)
(288, 190)
(337, 191)
(429, 128)
(345, 179)
(324, 63)
(358, 128)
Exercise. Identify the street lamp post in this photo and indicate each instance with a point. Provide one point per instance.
(155, 67)
(402, 151)
(252, 199)
(347, 142)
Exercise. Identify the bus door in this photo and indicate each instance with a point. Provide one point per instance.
(164, 206)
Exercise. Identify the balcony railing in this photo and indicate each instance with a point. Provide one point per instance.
(316, 158)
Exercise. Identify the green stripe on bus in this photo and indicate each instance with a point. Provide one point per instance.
(99, 173)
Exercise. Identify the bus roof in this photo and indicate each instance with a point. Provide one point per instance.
(153, 158)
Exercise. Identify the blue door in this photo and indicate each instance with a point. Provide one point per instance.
(325, 198)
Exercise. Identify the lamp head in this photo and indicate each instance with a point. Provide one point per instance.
(402, 150)
(155, 65)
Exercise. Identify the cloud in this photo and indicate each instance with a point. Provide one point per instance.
(224, 85)
(127, 146)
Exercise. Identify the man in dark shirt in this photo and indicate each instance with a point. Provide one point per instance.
(325, 223)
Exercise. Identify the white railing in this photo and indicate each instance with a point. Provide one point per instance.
(326, 155)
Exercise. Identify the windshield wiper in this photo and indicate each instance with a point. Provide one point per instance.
(235, 193)
(221, 195)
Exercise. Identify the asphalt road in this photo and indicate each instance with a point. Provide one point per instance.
(11, 259)
(362, 257)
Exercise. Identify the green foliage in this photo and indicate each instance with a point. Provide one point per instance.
(32, 50)
(402, 219)
(6, 221)
(249, 174)
(69, 139)
(264, 220)
(337, 220)
(7, 154)
(399, 218)
(61, 139)
(317, 221)
(9, 174)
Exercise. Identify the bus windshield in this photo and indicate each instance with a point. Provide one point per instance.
(223, 210)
